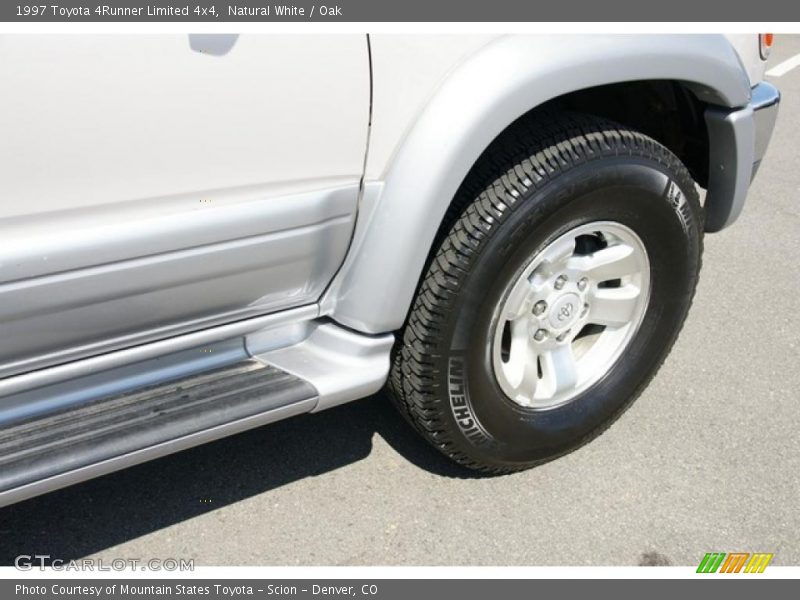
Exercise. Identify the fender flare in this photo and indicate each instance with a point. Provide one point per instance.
(476, 102)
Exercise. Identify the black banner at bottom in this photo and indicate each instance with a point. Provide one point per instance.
(385, 589)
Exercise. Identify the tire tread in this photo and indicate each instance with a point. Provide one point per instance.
(523, 159)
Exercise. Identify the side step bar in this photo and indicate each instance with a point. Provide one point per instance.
(45, 453)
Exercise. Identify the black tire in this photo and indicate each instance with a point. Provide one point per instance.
(543, 176)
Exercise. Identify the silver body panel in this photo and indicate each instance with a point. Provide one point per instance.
(766, 100)
(54, 388)
(104, 286)
(341, 365)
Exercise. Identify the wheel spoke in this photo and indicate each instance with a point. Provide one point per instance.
(613, 262)
(522, 362)
(613, 307)
(518, 302)
(559, 369)
(556, 254)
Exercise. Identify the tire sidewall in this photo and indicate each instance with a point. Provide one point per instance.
(637, 192)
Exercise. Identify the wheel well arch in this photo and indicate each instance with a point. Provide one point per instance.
(480, 99)
(666, 110)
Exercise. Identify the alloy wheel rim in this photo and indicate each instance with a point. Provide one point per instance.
(569, 315)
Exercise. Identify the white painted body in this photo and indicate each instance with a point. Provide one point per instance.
(407, 71)
(92, 121)
(747, 47)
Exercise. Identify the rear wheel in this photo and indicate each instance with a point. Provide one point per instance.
(553, 297)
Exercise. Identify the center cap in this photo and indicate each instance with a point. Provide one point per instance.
(565, 311)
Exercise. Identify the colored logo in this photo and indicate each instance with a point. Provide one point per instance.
(734, 562)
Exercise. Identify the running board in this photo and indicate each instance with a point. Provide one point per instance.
(48, 452)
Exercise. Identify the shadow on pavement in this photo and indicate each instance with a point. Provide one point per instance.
(89, 517)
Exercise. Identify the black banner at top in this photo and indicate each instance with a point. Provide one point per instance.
(398, 10)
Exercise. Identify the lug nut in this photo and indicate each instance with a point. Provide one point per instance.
(540, 335)
(539, 307)
(583, 283)
(563, 336)
(560, 282)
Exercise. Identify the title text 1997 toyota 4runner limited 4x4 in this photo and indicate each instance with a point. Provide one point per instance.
(206, 233)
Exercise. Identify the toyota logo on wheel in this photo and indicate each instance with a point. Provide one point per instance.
(566, 311)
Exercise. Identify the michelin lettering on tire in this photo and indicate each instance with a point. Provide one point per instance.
(459, 404)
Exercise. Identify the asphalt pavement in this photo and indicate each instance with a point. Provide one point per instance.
(708, 459)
